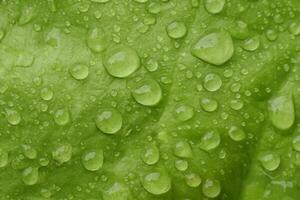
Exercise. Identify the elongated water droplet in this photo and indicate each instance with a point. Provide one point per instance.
(147, 92)
(270, 161)
(109, 120)
(79, 71)
(3, 158)
(211, 188)
(183, 149)
(96, 39)
(184, 112)
(121, 61)
(212, 82)
(30, 175)
(62, 152)
(151, 154)
(209, 105)
(236, 134)
(282, 112)
(176, 30)
(214, 6)
(215, 48)
(92, 160)
(193, 180)
(62, 117)
(251, 44)
(210, 140)
(156, 183)
(13, 117)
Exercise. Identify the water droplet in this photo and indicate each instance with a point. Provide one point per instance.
(181, 165)
(184, 112)
(92, 160)
(141, 1)
(151, 154)
(46, 94)
(271, 34)
(211, 188)
(79, 71)
(270, 161)
(236, 104)
(152, 65)
(117, 191)
(62, 117)
(30, 175)
(156, 182)
(239, 29)
(294, 28)
(62, 152)
(193, 180)
(3, 158)
(29, 151)
(215, 48)
(209, 105)
(121, 61)
(296, 143)
(109, 120)
(210, 140)
(214, 6)
(212, 82)
(282, 112)
(236, 134)
(183, 149)
(251, 44)
(96, 39)
(176, 30)
(147, 92)
(13, 117)
(100, 1)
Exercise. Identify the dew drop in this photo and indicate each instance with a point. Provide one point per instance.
(29, 151)
(46, 94)
(296, 143)
(121, 61)
(236, 104)
(270, 161)
(92, 160)
(183, 149)
(156, 183)
(109, 120)
(214, 6)
(212, 82)
(215, 48)
(211, 188)
(209, 105)
(151, 154)
(147, 92)
(236, 134)
(251, 44)
(181, 165)
(210, 140)
(62, 152)
(184, 112)
(13, 117)
(30, 175)
(193, 180)
(176, 30)
(79, 71)
(96, 39)
(62, 117)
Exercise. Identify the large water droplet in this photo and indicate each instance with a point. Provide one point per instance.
(156, 182)
(212, 82)
(270, 161)
(121, 61)
(13, 117)
(62, 117)
(92, 160)
(151, 154)
(282, 112)
(210, 140)
(30, 175)
(215, 48)
(147, 92)
(214, 6)
(62, 152)
(211, 188)
(209, 105)
(79, 71)
(184, 112)
(183, 149)
(109, 120)
(96, 39)
(236, 134)
(176, 30)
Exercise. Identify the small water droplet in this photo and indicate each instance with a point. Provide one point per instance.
(156, 183)
(147, 92)
(62, 117)
(212, 82)
(193, 180)
(151, 154)
(211, 188)
(13, 117)
(184, 112)
(79, 71)
(183, 149)
(270, 161)
(96, 38)
(236, 134)
(62, 152)
(210, 140)
(209, 105)
(109, 121)
(181, 165)
(176, 30)
(29, 151)
(46, 94)
(92, 160)
(30, 175)
(251, 44)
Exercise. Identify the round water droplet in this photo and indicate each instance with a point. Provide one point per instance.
(294, 28)
(29, 151)
(96, 39)
(79, 71)
(62, 152)
(211, 188)
(176, 30)
(251, 44)
(282, 112)
(212, 82)
(156, 182)
(210, 140)
(193, 180)
(92, 160)
(239, 30)
(109, 120)
(270, 161)
(181, 165)
(209, 105)
(296, 143)
(215, 48)
(30, 175)
(151, 154)
(3, 158)
(214, 6)
(236, 104)
(13, 117)
(184, 112)
(46, 94)
(236, 134)
(117, 191)
(121, 61)
(62, 117)
(183, 149)
(147, 92)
